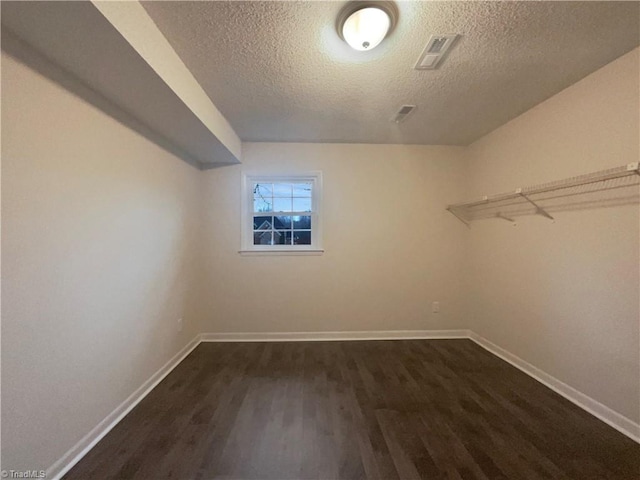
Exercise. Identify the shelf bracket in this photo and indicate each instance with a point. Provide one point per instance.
(539, 210)
(459, 217)
(508, 219)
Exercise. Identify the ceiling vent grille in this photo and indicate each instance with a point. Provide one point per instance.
(435, 51)
(403, 113)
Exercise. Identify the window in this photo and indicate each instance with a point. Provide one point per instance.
(281, 213)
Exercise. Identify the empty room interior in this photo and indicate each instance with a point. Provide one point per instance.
(320, 240)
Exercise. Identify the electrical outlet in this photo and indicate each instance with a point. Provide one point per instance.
(435, 307)
(180, 324)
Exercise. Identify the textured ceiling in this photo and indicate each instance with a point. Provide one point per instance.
(279, 72)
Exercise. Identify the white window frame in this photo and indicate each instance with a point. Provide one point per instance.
(248, 248)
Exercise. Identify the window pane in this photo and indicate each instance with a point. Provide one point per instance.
(282, 204)
(302, 223)
(262, 238)
(262, 201)
(283, 223)
(262, 223)
(280, 237)
(262, 190)
(301, 205)
(282, 189)
(302, 189)
(301, 237)
(262, 205)
(288, 237)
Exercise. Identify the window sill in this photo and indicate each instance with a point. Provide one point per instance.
(254, 253)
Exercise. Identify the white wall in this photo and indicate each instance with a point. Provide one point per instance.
(99, 241)
(564, 296)
(391, 247)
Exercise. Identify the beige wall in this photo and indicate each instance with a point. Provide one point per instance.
(564, 296)
(391, 248)
(107, 240)
(98, 248)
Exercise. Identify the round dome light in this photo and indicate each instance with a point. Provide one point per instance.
(364, 28)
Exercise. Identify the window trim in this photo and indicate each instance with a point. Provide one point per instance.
(246, 216)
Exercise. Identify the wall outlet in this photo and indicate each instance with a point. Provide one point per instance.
(180, 324)
(435, 307)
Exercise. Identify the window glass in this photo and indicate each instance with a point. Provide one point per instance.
(281, 212)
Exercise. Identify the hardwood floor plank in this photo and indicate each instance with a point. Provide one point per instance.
(385, 410)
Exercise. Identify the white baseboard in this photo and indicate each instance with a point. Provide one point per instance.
(335, 336)
(80, 449)
(595, 408)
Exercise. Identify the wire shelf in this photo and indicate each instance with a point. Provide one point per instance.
(606, 188)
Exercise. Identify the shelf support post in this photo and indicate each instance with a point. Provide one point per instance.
(451, 210)
(539, 210)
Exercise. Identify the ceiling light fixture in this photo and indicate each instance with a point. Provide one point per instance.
(363, 25)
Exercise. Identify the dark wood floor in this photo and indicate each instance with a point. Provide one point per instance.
(343, 410)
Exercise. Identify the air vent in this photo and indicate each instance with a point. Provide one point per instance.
(435, 51)
(437, 44)
(403, 113)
